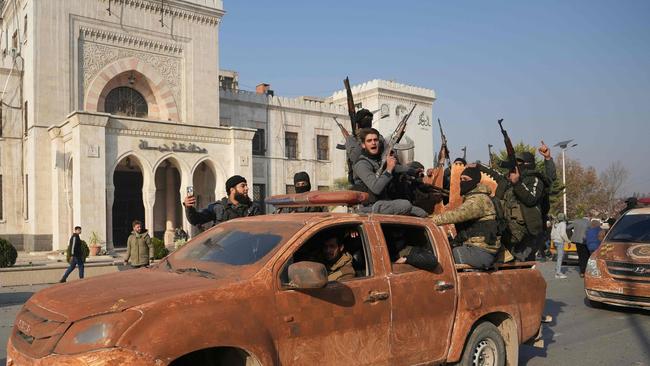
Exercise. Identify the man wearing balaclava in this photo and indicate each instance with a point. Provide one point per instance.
(525, 194)
(302, 185)
(236, 204)
(476, 241)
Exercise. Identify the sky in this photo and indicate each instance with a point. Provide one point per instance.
(554, 69)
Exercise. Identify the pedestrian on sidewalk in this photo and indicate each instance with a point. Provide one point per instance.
(559, 237)
(76, 254)
(139, 249)
(578, 237)
(594, 236)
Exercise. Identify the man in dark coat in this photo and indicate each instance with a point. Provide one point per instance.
(76, 255)
(236, 204)
(302, 184)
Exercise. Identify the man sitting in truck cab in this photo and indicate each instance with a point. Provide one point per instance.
(400, 252)
(337, 261)
(476, 241)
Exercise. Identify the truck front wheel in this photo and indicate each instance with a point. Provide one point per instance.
(485, 347)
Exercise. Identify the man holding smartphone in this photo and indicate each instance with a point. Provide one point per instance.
(236, 204)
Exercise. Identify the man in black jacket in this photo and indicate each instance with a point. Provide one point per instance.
(236, 204)
(76, 255)
(302, 184)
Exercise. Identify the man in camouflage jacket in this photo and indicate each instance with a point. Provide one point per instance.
(476, 241)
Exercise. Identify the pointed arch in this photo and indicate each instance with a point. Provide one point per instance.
(115, 74)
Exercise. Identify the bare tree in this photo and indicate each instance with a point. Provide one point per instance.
(612, 180)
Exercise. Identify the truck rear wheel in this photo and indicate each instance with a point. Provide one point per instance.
(485, 347)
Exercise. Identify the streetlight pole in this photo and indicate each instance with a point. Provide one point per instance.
(564, 180)
(564, 145)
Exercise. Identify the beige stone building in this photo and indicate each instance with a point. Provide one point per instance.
(111, 109)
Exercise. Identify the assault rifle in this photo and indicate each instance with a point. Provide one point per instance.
(443, 148)
(511, 163)
(344, 132)
(351, 107)
(394, 140)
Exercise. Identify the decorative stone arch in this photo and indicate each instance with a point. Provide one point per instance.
(143, 163)
(180, 164)
(219, 174)
(153, 87)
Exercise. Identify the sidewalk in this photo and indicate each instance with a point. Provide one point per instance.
(47, 267)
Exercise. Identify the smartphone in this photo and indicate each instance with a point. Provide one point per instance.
(190, 191)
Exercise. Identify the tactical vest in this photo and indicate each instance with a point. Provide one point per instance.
(481, 234)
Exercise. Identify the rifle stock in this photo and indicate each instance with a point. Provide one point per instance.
(394, 140)
(512, 162)
(351, 107)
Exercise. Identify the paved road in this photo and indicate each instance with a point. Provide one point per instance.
(579, 335)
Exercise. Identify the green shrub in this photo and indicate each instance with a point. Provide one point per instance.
(8, 254)
(159, 250)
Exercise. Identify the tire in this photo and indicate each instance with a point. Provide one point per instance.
(484, 347)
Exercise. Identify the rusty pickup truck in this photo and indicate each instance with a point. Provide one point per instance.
(251, 291)
(618, 272)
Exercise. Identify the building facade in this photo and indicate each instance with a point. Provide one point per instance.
(111, 109)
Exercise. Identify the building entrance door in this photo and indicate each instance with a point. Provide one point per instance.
(127, 205)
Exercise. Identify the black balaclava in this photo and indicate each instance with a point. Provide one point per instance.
(363, 118)
(301, 177)
(525, 160)
(467, 186)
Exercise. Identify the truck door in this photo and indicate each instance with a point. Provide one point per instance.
(423, 302)
(346, 322)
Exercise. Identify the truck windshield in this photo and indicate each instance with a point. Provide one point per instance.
(237, 243)
(631, 228)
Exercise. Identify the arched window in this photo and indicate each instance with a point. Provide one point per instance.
(125, 101)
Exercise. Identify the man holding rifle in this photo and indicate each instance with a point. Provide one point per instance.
(376, 185)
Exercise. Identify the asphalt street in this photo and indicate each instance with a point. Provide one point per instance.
(578, 335)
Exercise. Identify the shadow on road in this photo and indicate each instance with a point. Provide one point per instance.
(14, 298)
(526, 353)
(631, 315)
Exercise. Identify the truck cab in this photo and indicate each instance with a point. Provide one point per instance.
(254, 291)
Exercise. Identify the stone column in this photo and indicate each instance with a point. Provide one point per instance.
(148, 200)
(170, 206)
(110, 197)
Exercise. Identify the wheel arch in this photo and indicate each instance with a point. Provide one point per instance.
(227, 355)
(508, 329)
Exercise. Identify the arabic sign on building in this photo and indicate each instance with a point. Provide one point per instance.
(176, 147)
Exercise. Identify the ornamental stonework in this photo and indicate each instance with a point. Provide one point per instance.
(96, 56)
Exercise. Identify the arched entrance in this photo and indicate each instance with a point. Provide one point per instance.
(204, 182)
(127, 202)
(167, 209)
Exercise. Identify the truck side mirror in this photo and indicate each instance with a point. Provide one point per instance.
(307, 275)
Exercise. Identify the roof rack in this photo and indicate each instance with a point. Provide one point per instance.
(318, 198)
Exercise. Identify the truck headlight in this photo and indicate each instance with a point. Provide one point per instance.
(592, 268)
(100, 331)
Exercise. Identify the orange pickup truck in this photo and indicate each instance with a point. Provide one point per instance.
(249, 292)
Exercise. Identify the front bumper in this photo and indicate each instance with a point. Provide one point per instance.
(616, 291)
(108, 357)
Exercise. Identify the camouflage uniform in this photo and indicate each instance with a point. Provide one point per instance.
(475, 221)
(341, 269)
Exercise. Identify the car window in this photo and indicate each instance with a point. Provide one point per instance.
(409, 246)
(237, 244)
(631, 228)
(350, 261)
